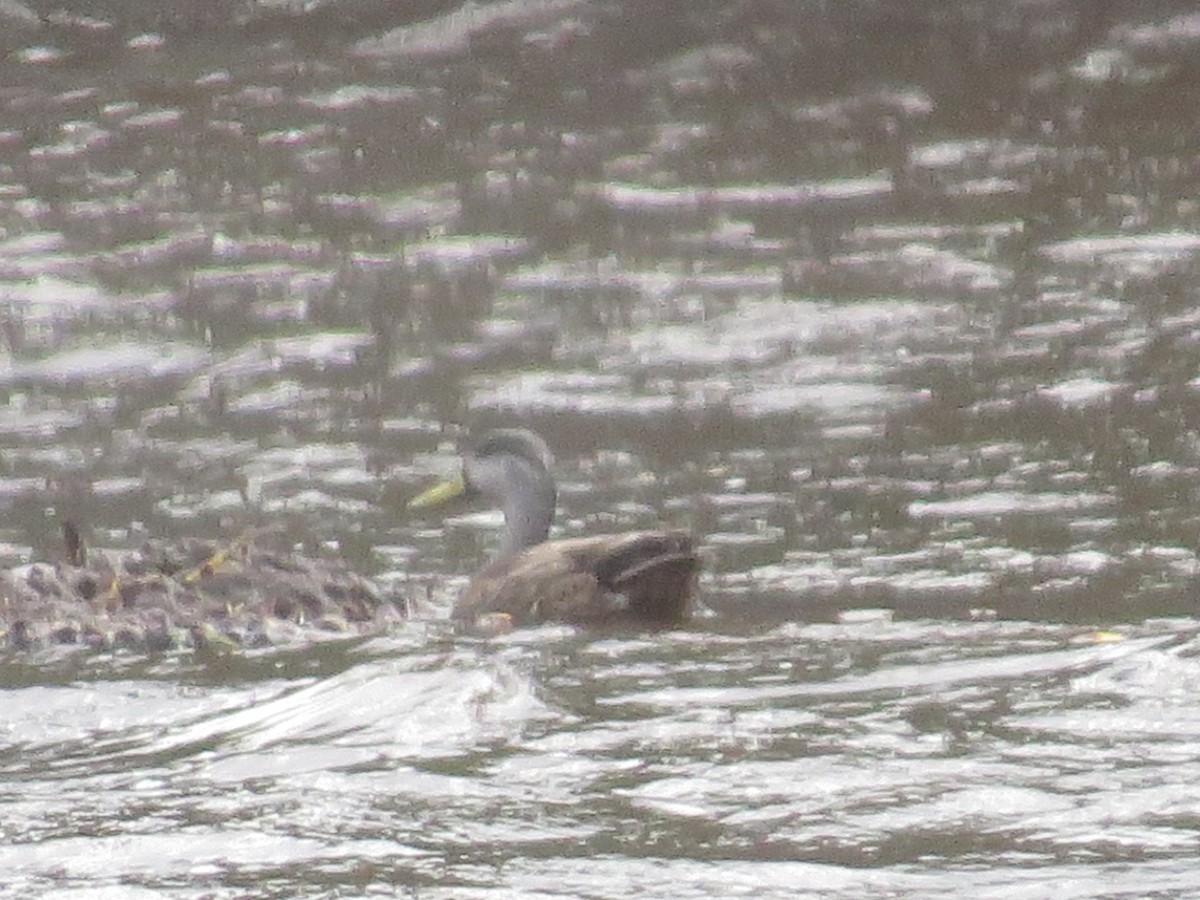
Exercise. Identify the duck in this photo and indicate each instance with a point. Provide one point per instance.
(646, 578)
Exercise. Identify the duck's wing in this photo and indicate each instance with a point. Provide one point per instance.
(647, 576)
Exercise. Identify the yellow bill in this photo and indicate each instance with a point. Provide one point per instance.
(440, 493)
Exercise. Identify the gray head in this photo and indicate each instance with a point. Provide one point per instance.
(510, 468)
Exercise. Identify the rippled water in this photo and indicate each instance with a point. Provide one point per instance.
(921, 759)
(893, 306)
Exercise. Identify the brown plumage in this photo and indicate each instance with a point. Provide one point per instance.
(645, 577)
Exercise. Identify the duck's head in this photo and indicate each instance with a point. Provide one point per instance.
(510, 469)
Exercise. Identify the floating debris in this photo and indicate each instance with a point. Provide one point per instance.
(186, 594)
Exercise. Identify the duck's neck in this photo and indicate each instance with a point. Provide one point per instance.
(527, 515)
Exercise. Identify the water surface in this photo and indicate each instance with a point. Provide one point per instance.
(892, 307)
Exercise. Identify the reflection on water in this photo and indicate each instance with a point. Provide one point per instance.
(891, 305)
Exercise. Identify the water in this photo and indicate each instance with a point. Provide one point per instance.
(925, 759)
(891, 307)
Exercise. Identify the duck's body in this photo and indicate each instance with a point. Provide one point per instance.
(645, 577)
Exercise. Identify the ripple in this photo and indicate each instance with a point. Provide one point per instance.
(126, 360)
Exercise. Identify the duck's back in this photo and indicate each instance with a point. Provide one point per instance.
(647, 576)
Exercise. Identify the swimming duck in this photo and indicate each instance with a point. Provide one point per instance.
(642, 577)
